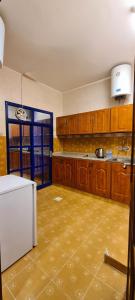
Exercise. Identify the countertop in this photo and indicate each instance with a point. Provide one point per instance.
(92, 156)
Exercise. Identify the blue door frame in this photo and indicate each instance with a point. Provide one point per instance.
(32, 146)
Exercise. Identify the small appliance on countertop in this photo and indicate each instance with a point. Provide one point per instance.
(100, 153)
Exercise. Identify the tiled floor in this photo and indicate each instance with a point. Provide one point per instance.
(73, 235)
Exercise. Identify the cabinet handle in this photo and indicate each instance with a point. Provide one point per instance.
(124, 166)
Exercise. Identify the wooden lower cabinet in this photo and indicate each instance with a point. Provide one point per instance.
(120, 183)
(106, 179)
(101, 178)
(84, 171)
(63, 171)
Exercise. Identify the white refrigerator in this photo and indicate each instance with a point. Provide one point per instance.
(18, 225)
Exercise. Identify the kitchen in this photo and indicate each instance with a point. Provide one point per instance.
(70, 138)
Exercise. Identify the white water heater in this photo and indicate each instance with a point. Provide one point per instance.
(121, 81)
(2, 39)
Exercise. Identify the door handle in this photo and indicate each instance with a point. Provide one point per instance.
(50, 153)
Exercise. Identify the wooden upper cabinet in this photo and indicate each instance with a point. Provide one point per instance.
(101, 121)
(120, 187)
(101, 175)
(116, 119)
(121, 118)
(67, 125)
(72, 124)
(61, 125)
(85, 123)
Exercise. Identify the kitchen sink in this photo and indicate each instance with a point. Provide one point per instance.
(122, 160)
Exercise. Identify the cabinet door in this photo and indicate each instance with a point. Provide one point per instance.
(101, 121)
(102, 172)
(85, 123)
(72, 124)
(121, 118)
(57, 170)
(62, 126)
(69, 172)
(120, 185)
(83, 175)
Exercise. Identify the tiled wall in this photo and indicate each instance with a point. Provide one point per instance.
(57, 145)
(89, 144)
(3, 155)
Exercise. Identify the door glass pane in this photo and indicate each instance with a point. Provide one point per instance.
(46, 174)
(26, 158)
(25, 135)
(42, 117)
(17, 113)
(38, 156)
(46, 155)
(14, 157)
(14, 135)
(27, 174)
(38, 175)
(46, 136)
(37, 135)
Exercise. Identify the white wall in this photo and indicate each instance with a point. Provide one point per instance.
(90, 97)
(33, 94)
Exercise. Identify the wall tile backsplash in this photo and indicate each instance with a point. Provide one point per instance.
(3, 156)
(90, 144)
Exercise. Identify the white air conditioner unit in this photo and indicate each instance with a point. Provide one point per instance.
(2, 39)
(121, 81)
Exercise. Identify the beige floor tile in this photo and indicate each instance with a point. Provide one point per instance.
(52, 292)
(74, 280)
(6, 294)
(100, 291)
(16, 268)
(112, 277)
(29, 283)
(52, 260)
(89, 257)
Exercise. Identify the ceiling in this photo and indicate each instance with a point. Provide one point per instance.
(67, 43)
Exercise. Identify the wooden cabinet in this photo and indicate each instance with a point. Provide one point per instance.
(121, 118)
(106, 179)
(61, 126)
(72, 124)
(101, 175)
(67, 125)
(57, 170)
(84, 172)
(120, 187)
(85, 123)
(69, 172)
(116, 119)
(101, 121)
(63, 171)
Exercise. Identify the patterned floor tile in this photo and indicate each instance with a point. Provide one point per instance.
(100, 291)
(28, 283)
(74, 280)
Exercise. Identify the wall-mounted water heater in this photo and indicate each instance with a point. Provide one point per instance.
(121, 81)
(2, 39)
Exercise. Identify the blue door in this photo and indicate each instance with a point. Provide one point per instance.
(29, 143)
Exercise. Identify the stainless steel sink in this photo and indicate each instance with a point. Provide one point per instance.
(122, 160)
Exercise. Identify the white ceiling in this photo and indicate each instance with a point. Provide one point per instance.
(67, 43)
